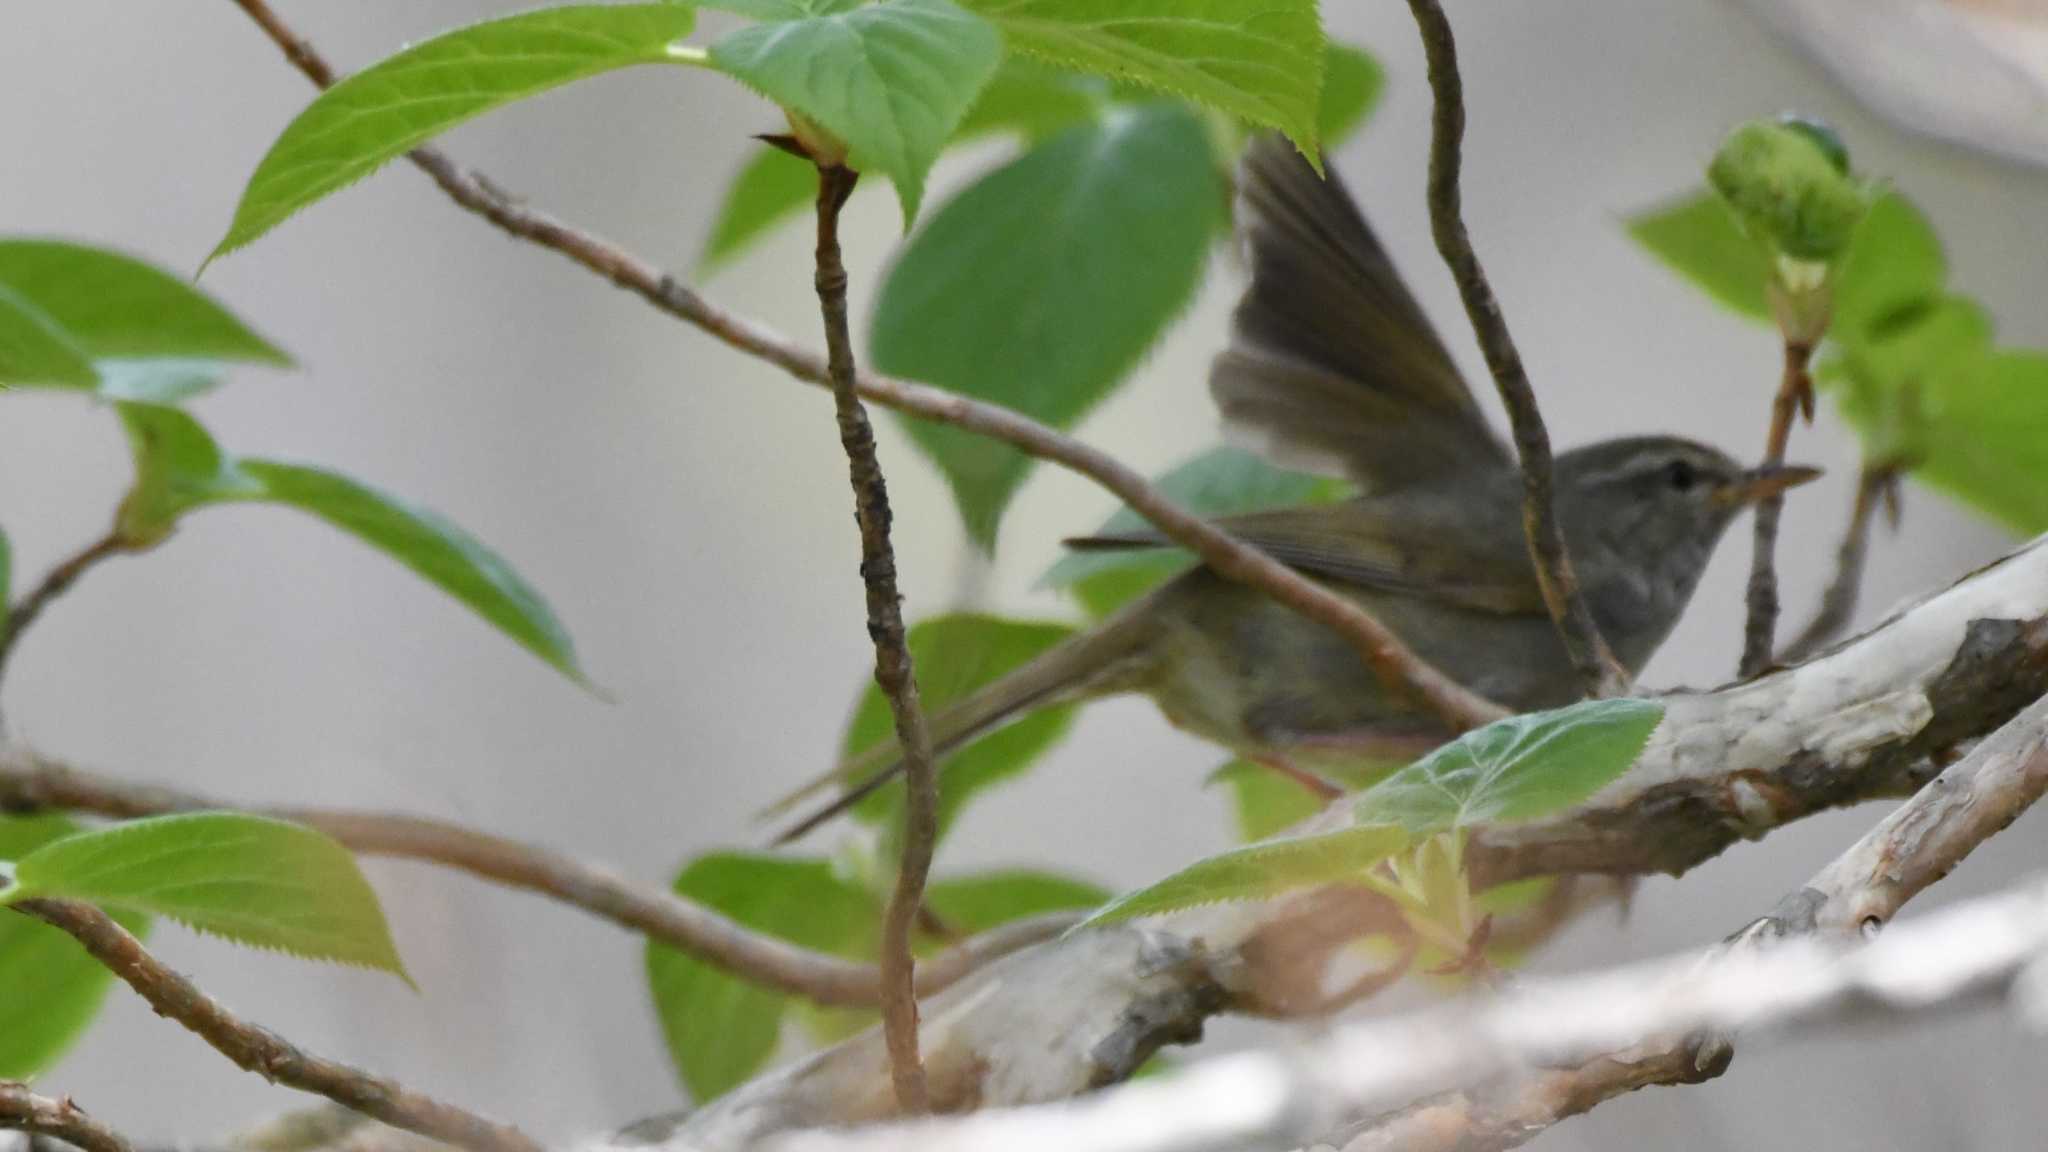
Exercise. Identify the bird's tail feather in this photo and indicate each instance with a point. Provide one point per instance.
(1104, 659)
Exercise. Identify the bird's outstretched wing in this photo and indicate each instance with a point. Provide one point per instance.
(1332, 366)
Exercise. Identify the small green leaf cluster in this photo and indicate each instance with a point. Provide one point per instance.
(1913, 365)
(255, 881)
(1790, 185)
(1408, 831)
(146, 342)
(721, 1029)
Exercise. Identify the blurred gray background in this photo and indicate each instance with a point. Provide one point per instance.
(686, 512)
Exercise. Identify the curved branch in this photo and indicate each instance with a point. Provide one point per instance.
(29, 784)
(15, 621)
(1393, 660)
(1603, 674)
(264, 1052)
(24, 1111)
(1877, 485)
(1760, 626)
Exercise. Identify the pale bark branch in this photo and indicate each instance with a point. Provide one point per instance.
(1602, 673)
(29, 783)
(895, 673)
(23, 1111)
(1977, 953)
(1760, 625)
(263, 1052)
(1228, 556)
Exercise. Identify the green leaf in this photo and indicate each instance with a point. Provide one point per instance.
(1697, 236)
(1260, 62)
(250, 879)
(983, 900)
(35, 350)
(112, 307)
(1034, 100)
(1520, 768)
(54, 987)
(1352, 83)
(782, 9)
(956, 655)
(772, 187)
(1041, 285)
(890, 80)
(382, 112)
(1266, 802)
(1260, 871)
(1988, 445)
(1894, 265)
(721, 1029)
(1220, 481)
(179, 468)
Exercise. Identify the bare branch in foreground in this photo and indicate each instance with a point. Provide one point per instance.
(24, 1111)
(1877, 484)
(1973, 954)
(1393, 660)
(55, 584)
(263, 1052)
(894, 672)
(1868, 719)
(1760, 628)
(28, 784)
(1603, 674)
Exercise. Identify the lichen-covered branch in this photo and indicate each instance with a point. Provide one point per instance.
(23, 1111)
(1603, 674)
(1228, 556)
(264, 1052)
(29, 783)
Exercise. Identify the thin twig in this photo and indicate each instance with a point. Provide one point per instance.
(1602, 673)
(893, 670)
(1795, 394)
(54, 585)
(264, 1052)
(1877, 485)
(1390, 658)
(28, 784)
(24, 1111)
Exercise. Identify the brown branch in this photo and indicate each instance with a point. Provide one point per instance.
(893, 668)
(1877, 485)
(1602, 673)
(1394, 661)
(24, 1111)
(263, 1052)
(54, 585)
(29, 784)
(1795, 395)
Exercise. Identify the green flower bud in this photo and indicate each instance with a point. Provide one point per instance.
(1789, 184)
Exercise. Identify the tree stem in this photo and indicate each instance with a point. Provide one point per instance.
(1795, 394)
(893, 669)
(1602, 673)
(54, 585)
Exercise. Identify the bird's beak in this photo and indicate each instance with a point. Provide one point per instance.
(1759, 483)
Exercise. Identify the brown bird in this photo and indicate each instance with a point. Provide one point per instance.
(1333, 367)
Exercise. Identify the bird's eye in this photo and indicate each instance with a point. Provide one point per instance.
(1681, 475)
